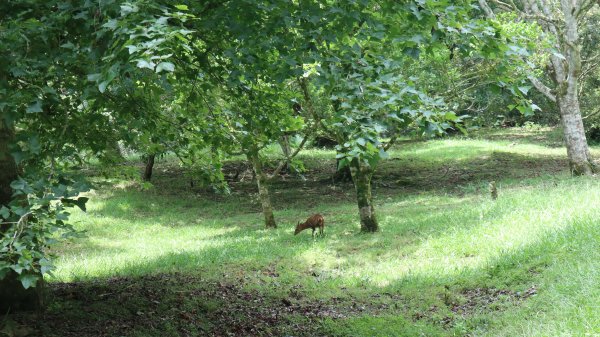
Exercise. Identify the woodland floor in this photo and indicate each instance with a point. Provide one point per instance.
(176, 260)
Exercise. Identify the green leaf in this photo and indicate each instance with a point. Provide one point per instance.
(132, 49)
(34, 145)
(17, 268)
(35, 107)
(145, 64)
(182, 7)
(19, 184)
(383, 154)
(94, 77)
(28, 280)
(102, 86)
(412, 52)
(524, 89)
(343, 163)
(4, 212)
(167, 66)
(68, 45)
(111, 24)
(450, 116)
(45, 266)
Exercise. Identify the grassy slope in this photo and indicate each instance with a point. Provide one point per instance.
(448, 261)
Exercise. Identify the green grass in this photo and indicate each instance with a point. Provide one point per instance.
(448, 260)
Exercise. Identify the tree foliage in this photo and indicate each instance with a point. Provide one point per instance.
(214, 79)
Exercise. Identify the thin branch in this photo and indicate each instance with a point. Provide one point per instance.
(317, 120)
(511, 6)
(595, 113)
(583, 8)
(487, 9)
(20, 228)
(307, 98)
(541, 87)
(289, 159)
(390, 143)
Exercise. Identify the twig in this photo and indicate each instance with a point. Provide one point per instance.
(20, 227)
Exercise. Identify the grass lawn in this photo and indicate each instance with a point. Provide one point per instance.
(449, 261)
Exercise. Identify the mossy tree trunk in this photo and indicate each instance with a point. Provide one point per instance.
(12, 294)
(361, 176)
(147, 176)
(263, 189)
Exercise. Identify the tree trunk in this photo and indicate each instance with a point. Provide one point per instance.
(566, 73)
(263, 190)
(580, 160)
(8, 167)
(149, 167)
(284, 142)
(565, 70)
(12, 294)
(361, 175)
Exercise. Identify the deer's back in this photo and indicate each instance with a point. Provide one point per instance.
(316, 220)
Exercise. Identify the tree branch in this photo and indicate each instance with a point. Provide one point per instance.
(390, 143)
(485, 7)
(288, 159)
(541, 87)
(511, 6)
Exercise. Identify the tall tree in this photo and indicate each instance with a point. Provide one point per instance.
(46, 124)
(561, 21)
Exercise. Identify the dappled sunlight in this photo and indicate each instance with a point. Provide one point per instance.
(440, 236)
(423, 236)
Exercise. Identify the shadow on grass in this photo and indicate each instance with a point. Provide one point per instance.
(452, 176)
(550, 137)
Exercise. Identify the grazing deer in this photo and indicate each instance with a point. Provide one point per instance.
(314, 222)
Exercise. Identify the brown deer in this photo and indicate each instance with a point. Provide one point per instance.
(314, 222)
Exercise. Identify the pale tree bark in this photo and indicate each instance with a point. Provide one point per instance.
(566, 78)
(284, 142)
(361, 175)
(12, 294)
(560, 19)
(263, 190)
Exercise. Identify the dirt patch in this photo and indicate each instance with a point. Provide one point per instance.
(181, 305)
(487, 299)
